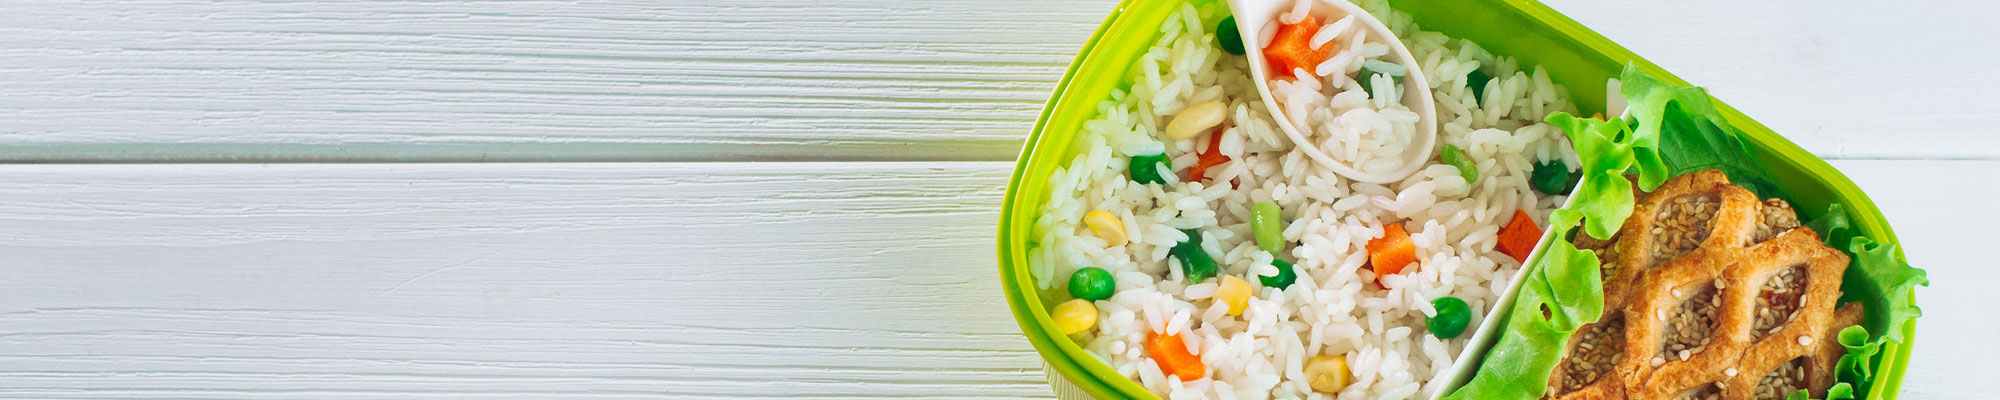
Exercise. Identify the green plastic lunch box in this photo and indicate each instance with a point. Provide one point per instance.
(1573, 55)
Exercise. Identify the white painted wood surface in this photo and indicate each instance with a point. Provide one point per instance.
(872, 278)
(530, 80)
(244, 80)
(607, 280)
(506, 281)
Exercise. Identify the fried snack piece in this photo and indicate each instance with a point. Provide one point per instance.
(1588, 369)
(1708, 291)
(1776, 375)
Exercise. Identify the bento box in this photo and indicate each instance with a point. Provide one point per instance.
(1572, 55)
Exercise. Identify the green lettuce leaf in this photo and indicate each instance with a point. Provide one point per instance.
(1875, 276)
(1691, 135)
(1670, 130)
(1575, 283)
(1688, 134)
(1605, 151)
(1646, 101)
(1839, 391)
(1833, 226)
(1851, 372)
(1555, 299)
(1513, 368)
(1563, 290)
(1856, 368)
(1882, 283)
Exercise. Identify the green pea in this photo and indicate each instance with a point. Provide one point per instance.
(1456, 157)
(1283, 279)
(1092, 283)
(1147, 168)
(1195, 262)
(1269, 229)
(1226, 34)
(1553, 178)
(1477, 81)
(1452, 315)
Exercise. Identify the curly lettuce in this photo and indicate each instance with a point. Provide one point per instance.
(1686, 134)
(1691, 135)
(1839, 391)
(1605, 151)
(1882, 283)
(1563, 290)
(1670, 130)
(1562, 295)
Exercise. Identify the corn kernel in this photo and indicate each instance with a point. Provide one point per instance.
(1075, 315)
(1327, 374)
(1106, 226)
(1235, 292)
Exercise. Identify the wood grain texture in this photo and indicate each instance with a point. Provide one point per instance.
(241, 80)
(685, 280)
(570, 80)
(629, 280)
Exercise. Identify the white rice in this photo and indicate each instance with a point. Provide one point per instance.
(1334, 308)
(1330, 107)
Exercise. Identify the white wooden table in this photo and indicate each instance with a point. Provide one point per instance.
(717, 199)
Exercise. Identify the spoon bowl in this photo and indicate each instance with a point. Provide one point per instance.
(1253, 16)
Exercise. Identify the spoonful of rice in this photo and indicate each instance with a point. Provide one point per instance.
(1340, 85)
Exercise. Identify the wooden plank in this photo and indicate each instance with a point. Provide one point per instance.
(241, 80)
(560, 80)
(701, 280)
(506, 281)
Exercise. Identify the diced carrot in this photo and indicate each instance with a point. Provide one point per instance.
(1292, 48)
(1519, 236)
(1212, 157)
(1172, 355)
(1392, 252)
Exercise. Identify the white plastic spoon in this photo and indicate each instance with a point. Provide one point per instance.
(1253, 15)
